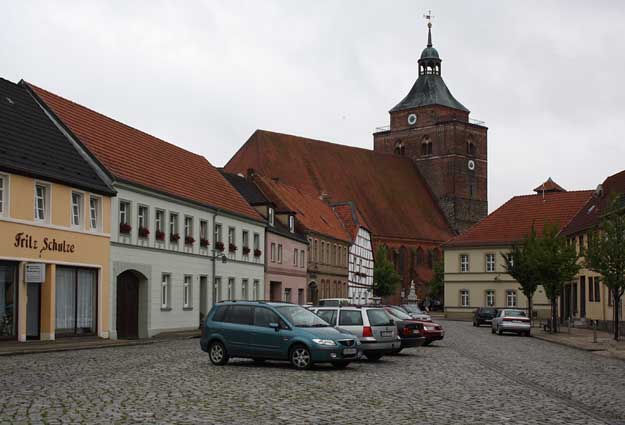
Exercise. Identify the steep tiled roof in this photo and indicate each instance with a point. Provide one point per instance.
(311, 212)
(590, 214)
(549, 186)
(350, 217)
(31, 144)
(388, 189)
(514, 219)
(246, 188)
(139, 158)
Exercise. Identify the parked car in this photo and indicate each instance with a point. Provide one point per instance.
(511, 320)
(408, 329)
(374, 328)
(275, 331)
(415, 312)
(334, 302)
(484, 315)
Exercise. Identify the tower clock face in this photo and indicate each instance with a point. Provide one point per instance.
(471, 165)
(412, 119)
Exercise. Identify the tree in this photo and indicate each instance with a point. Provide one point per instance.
(436, 284)
(606, 254)
(521, 264)
(556, 263)
(385, 278)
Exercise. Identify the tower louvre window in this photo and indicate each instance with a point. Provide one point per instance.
(470, 148)
(426, 147)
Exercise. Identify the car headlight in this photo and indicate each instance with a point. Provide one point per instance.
(323, 341)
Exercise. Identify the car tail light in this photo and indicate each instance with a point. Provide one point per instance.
(407, 330)
(366, 331)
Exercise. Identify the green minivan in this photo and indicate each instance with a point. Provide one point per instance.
(265, 330)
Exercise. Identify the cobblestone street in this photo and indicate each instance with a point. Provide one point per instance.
(470, 377)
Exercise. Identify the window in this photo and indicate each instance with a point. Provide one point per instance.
(470, 148)
(41, 202)
(186, 291)
(287, 295)
(76, 209)
(244, 289)
(173, 224)
(301, 258)
(188, 226)
(3, 194)
(511, 298)
(323, 253)
(597, 289)
(203, 230)
(231, 295)
(464, 263)
(490, 262)
(464, 297)
(295, 256)
(263, 317)
(581, 245)
(280, 253)
(271, 216)
(158, 222)
(255, 289)
(217, 290)
(273, 252)
(165, 290)
(490, 298)
(328, 315)
(246, 239)
(94, 213)
(316, 251)
(256, 241)
(124, 212)
(142, 219)
(591, 289)
(218, 233)
(292, 224)
(426, 147)
(231, 236)
(350, 318)
(239, 314)
(511, 259)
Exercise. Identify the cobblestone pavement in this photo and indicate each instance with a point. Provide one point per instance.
(470, 377)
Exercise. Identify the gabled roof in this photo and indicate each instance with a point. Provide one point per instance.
(549, 186)
(135, 157)
(429, 90)
(511, 222)
(590, 215)
(312, 213)
(391, 194)
(250, 192)
(350, 217)
(31, 144)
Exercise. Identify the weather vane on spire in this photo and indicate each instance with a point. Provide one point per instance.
(429, 17)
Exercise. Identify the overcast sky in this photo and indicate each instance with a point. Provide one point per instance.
(547, 77)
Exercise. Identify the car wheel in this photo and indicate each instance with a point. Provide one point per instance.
(492, 330)
(474, 325)
(300, 357)
(340, 365)
(499, 331)
(373, 357)
(217, 353)
(258, 361)
(528, 333)
(397, 351)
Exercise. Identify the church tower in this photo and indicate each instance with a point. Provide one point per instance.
(434, 130)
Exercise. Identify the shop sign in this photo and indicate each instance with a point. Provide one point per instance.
(35, 272)
(24, 240)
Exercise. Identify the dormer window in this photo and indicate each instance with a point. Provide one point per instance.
(292, 224)
(271, 216)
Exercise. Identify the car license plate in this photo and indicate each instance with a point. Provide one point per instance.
(386, 333)
(349, 351)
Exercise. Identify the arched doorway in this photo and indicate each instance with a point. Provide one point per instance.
(127, 305)
(313, 293)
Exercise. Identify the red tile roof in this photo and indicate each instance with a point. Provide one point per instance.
(136, 157)
(512, 221)
(311, 212)
(391, 194)
(350, 217)
(590, 214)
(549, 186)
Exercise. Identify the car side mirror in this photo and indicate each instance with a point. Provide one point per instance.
(275, 326)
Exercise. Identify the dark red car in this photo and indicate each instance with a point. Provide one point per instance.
(408, 329)
(431, 331)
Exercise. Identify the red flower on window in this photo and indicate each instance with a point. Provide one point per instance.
(189, 240)
(232, 248)
(219, 246)
(160, 235)
(257, 253)
(125, 228)
(246, 250)
(174, 237)
(144, 232)
(204, 243)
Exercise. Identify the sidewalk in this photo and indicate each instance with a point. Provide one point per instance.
(582, 339)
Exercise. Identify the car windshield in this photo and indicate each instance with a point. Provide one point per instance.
(488, 310)
(398, 313)
(412, 308)
(301, 318)
(514, 313)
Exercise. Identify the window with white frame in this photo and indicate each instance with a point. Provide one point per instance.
(464, 263)
(188, 226)
(203, 229)
(77, 209)
(490, 298)
(279, 253)
(246, 239)
(142, 218)
(287, 295)
(186, 291)
(256, 241)
(301, 258)
(94, 213)
(231, 236)
(271, 216)
(244, 289)
(255, 289)
(273, 253)
(3, 194)
(173, 224)
(165, 288)
(42, 199)
(464, 297)
(490, 262)
(511, 298)
(218, 233)
(511, 259)
(159, 221)
(231, 295)
(295, 255)
(124, 212)
(292, 224)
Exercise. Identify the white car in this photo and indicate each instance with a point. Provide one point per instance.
(511, 320)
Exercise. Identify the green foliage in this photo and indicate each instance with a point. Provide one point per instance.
(522, 263)
(385, 278)
(436, 284)
(606, 253)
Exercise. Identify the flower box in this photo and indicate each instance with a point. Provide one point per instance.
(144, 232)
(204, 243)
(257, 253)
(174, 237)
(246, 250)
(219, 246)
(232, 248)
(124, 228)
(160, 235)
(188, 240)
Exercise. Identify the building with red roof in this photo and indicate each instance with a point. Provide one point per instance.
(174, 217)
(474, 266)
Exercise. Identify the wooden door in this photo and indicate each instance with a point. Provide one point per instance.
(127, 305)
